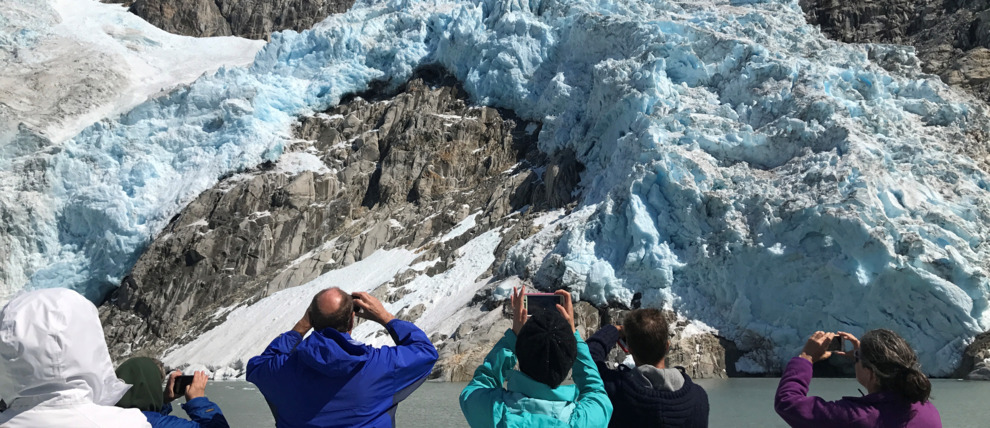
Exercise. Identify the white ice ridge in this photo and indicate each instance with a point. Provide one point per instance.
(740, 167)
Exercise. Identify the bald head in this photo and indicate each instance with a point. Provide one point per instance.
(332, 308)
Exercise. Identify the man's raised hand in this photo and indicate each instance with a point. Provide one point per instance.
(371, 308)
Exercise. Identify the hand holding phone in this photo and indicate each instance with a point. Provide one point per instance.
(835, 344)
(180, 384)
(539, 302)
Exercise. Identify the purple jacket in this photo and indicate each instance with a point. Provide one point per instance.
(882, 409)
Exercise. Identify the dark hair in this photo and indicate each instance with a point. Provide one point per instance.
(339, 320)
(895, 364)
(646, 333)
(546, 348)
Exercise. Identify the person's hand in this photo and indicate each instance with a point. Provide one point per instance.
(198, 386)
(371, 308)
(567, 309)
(303, 325)
(169, 394)
(816, 348)
(519, 312)
(849, 338)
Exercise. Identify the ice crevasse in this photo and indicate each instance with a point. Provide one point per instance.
(740, 167)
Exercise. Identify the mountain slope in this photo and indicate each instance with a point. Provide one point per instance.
(739, 167)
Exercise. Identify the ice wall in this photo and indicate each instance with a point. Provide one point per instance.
(740, 167)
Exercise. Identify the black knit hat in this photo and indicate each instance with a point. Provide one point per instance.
(546, 348)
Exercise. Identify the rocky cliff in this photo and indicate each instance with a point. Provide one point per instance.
(375, 172)
(253, 19)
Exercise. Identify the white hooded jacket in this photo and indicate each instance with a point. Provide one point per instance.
(55, 370)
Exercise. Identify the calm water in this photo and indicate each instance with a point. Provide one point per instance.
(734, 403)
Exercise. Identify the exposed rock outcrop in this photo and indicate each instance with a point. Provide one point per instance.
(375, 172)
(381, 174)
(976, 359)
(253, 19)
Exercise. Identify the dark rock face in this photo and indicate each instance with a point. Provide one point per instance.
(952, 37)
(253, 19)
(393, 173)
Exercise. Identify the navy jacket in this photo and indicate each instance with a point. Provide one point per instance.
(331, 380)
(203, 412)
(636, 406)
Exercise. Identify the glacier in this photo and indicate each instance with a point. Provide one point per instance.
(740, 168)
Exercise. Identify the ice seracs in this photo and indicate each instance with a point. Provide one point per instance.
(740, 167)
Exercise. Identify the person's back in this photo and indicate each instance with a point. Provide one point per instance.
(146, 375)
(55, 370)
(650, 395)
(329, 379)
(897, 391)
(547, 346)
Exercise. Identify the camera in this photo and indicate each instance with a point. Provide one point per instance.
(836, 344)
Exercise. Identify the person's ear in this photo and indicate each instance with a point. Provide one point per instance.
(350, 324)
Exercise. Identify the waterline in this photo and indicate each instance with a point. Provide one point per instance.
(738, 402)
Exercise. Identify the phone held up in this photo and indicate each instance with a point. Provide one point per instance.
(539, 302)
(836, 344)
(622, 344)
(180, 384)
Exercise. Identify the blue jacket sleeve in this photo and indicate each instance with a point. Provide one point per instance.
(412, 357)
(261, 370)
(593, 407)
(479, 399)
(205, 413)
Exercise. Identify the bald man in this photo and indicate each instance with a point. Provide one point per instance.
(329, 379)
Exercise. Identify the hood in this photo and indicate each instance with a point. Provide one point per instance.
(659, 379)
(146, 385)
(51, 346)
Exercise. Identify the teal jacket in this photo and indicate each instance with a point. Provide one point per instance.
(525, 402)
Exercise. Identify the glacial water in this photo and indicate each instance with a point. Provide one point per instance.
(734, 403)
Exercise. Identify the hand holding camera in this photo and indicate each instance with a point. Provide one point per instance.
(822, 345)
(368, 307)
(192, 386)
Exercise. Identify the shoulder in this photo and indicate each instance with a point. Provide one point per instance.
(689, 383)
(113, 417)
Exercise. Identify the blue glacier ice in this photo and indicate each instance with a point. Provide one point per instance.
(740, 167)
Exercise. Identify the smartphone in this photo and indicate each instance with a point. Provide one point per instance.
(836, 344)
(539, 302)
(622, 344)
(180, 384)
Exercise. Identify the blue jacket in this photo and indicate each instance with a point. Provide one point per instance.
(203, 412)
(525, 402)
(331, 380)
